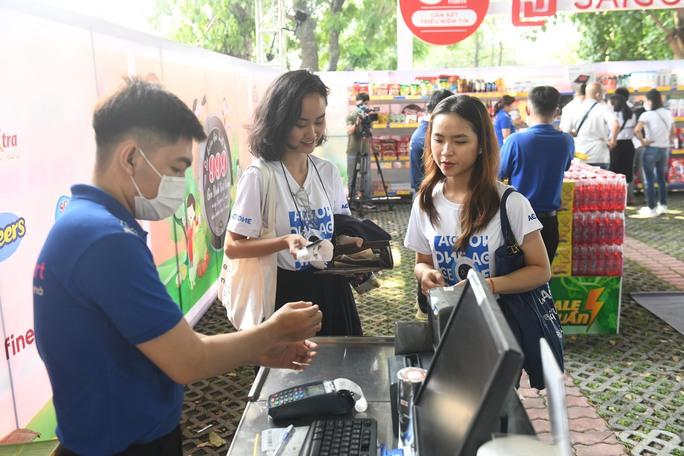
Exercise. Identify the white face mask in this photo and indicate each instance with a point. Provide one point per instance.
(170, 196)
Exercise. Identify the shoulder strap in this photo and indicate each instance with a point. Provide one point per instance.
(624, 122)
(509, 238)
(320, 179)
(662, 120)
(268, 199)
(586, 114)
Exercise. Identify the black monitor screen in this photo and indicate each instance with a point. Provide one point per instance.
(476, 365)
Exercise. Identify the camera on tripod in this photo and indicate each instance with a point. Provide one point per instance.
(367, 116)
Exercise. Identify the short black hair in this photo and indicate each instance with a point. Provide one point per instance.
(279, 110)
(362, 96)
(544, 99)
(142, 109)
(624, 91)
(655, 98)
(436, 97)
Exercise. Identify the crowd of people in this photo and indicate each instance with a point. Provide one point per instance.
(141, 350)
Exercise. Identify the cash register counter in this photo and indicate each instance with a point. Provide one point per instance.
(363, 360)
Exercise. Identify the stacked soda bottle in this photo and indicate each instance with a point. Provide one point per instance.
(598, 221)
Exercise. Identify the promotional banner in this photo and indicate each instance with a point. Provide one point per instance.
(588, 305)
(535, 12)
(55, 68)
(443, 21)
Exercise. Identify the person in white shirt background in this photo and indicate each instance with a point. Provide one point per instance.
(655, 130)
(288, 125)
(592, 144)
(454, 224)
(572, 109)
(637, 109)
(622, 155)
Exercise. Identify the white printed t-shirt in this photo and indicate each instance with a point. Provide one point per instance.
(246, 217)
(657, 126)
(438, 241)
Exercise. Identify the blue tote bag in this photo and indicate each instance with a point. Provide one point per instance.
(531, 315)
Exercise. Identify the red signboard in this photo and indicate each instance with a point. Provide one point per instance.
(528, 12)
(443, 21)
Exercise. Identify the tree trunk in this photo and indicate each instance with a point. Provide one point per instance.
(307, 38)
(242, 14)
(676, 37)
(334, 38)
(500, 52)
(673, 36)
(476, 59)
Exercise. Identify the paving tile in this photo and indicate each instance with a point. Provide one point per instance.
(582, 412)
(587, 424)
(593, 437)
(540, 425)
(601, 449)
(534, 403)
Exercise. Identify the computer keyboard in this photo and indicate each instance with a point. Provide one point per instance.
(342, 437)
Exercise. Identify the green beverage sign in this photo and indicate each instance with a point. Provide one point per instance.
(588, 305)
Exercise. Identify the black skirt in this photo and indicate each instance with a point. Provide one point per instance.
(622, 159)
(332, 293)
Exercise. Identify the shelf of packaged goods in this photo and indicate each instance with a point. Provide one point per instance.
(383, 99)
(395, 126)
(388, 99)
(392, 165)
(679, 119)
(678, 152)
(643, 90)
(402, 193)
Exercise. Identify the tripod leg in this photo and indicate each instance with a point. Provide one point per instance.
(353, 182)
(382, 178)
(365, 176)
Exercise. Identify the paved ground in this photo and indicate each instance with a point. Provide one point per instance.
(625, 392)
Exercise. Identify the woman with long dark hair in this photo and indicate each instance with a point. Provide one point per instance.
(503, 123)
(288, 125)
(622, 155)
(455, 224)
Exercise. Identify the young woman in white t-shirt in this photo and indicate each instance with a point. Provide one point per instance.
(455, 224)
(655, 131)
(288, 125)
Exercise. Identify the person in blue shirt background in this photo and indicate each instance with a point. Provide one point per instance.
(503, 124)
(116, 346)
(535, 160)
(417, 171)
(418, 139)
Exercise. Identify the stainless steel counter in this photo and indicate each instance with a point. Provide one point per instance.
(361, 359)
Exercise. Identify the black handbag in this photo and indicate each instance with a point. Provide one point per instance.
(531, 315)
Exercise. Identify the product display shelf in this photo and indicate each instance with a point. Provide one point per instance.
(396, 171)
(390, 99)
(644, 90)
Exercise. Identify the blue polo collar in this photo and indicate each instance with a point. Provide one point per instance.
(99, 196)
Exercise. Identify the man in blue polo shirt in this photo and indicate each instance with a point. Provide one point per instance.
(116, 347)
(534, 161)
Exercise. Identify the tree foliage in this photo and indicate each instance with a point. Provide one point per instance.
(349, 34)
(626, 35)
(225, 26)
